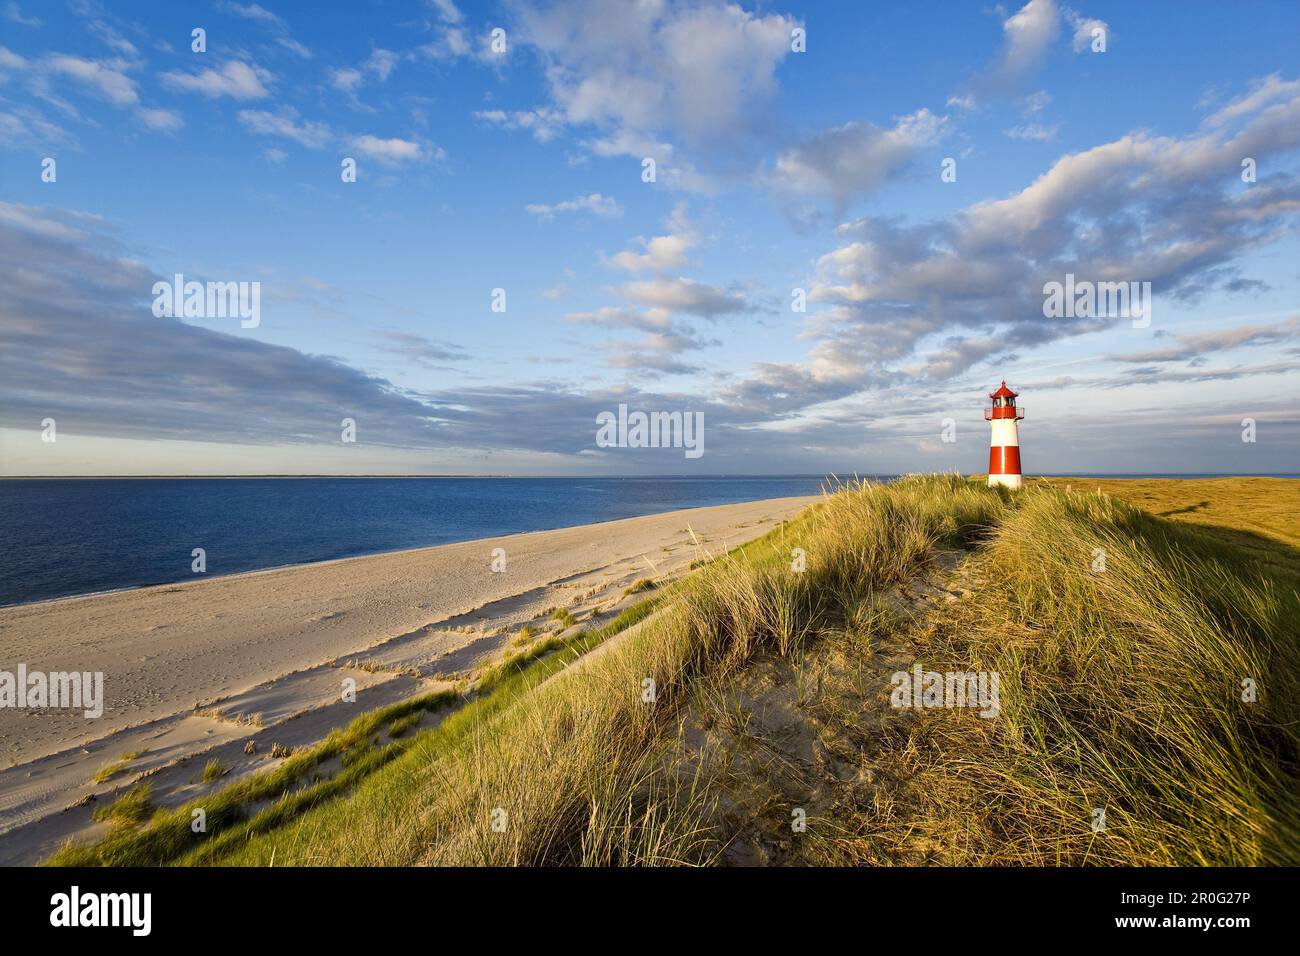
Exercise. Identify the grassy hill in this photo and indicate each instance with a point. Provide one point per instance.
(743, 715)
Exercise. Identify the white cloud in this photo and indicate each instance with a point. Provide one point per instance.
(662, 253)
(346, 79)
(1268, 90)
(285, 123)
(594, 203)
(251, 11)
(647, 74)
(294, 47)
(96, 350)
(235, 79)
(382, 63)
(447, 10)
(391, 151)
(260, 14)
(349, 80)
(451, 44)
(1143, 208)
(26, 126)
(159, 119)
(9, 60)
(1035, 102)
(452, 41)
(654, 302)
(105, 78)
(1083, 27)
(677, 294)
(657, 351)
(850, 160)
(1027, 34)
(113, 39)
(14, 14)
(419, 349)
(1034, 131)
(1194, 347)
(619, 317)
(545, 123)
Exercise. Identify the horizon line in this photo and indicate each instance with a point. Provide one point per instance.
(828, 474)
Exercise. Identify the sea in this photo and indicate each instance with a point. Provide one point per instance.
(68, 536)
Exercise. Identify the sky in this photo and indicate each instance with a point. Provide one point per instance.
(854, 214)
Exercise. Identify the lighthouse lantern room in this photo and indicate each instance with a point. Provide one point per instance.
(1004, 446)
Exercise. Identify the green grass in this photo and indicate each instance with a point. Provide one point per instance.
(104, 774)
(1120, 689)
(213, 770)
(576, 757)
(128, 810)
(1126, 692)
(360, 826)
(565, 617)
(1259, 517)
(639, 585)
(168, 834)
(401, 725)
(233, 815)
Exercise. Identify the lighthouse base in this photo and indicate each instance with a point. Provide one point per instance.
(1006, 481)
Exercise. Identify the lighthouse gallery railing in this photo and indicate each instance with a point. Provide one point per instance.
(989, 416)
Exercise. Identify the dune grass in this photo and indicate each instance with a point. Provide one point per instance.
(237, 813)
(1122, 695)
(108, 772)
(403, 725)
(129, 810)
(168, 832)
(579, 770)
(1121, 690)
(1258, 516)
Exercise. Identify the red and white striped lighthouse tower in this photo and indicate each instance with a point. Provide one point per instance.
(1004, 447)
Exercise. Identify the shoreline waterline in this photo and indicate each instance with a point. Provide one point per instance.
(211, 662)
(74, 538)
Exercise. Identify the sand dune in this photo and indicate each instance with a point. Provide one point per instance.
(193, 666)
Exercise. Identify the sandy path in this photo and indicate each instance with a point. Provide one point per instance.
(163, 649)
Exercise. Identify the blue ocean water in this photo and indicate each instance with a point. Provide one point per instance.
(60, 537)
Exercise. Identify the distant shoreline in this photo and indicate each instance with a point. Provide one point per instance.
(76, 536)
(505, 477)
(207, 663)
(80, 536)
(713, 477)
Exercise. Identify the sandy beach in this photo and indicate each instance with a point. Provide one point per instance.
(198, 667)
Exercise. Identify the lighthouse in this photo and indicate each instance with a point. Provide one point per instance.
(1004, 447)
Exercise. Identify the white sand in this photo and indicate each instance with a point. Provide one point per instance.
(259, 650)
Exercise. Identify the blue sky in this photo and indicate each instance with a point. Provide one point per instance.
(776, 170)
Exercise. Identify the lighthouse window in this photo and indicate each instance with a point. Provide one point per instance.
(997, 403)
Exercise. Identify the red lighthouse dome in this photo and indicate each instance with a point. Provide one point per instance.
(1004, 444)
(1004, 392)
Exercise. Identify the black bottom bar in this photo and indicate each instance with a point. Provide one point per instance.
(331, 906)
